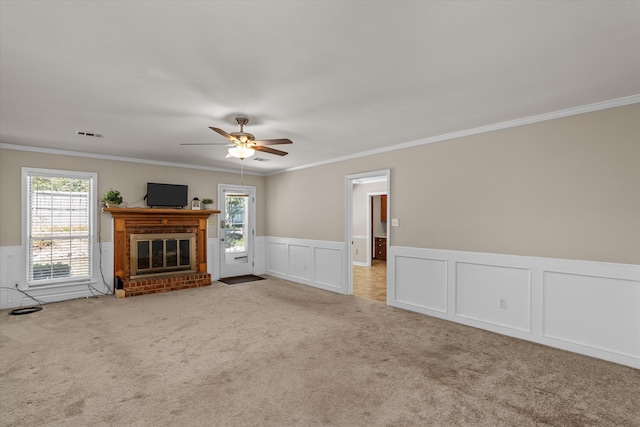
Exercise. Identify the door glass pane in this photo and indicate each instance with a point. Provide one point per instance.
(236, 225)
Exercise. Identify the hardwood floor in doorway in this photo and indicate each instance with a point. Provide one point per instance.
(371, 282)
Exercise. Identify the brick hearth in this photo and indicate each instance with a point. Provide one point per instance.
(152, 285)
(129, 221)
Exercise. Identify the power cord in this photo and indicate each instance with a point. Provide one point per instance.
(110, 291)
(21, 309)
(104, 281)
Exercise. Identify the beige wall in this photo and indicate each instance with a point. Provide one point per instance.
(129, 178)
(360, 202)
(565, 188)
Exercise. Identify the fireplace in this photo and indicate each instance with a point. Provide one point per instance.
(159, 250)
(162, 253)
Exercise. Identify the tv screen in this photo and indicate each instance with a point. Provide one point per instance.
(166, 195)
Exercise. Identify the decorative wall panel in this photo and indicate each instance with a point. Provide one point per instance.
(421, 282)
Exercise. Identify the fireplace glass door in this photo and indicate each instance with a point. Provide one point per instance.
(157, 254)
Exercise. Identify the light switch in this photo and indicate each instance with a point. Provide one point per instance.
(395, 222)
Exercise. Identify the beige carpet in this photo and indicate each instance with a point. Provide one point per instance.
(274, 353)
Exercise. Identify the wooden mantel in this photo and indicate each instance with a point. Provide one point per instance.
(127, 218)
(159, 213)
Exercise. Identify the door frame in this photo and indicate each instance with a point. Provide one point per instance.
(251, 225)
(348, 257)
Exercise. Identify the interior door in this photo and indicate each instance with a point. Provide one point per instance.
(237, 230)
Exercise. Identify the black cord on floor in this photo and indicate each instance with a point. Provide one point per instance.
(25, 310)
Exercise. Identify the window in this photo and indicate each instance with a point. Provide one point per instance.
(59, 207)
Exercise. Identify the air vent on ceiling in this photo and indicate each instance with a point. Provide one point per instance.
(92, 134)
(260, 159)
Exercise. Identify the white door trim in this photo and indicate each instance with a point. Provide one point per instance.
(349, 181)
(251, 190)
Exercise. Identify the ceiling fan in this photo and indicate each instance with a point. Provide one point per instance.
(245, 144)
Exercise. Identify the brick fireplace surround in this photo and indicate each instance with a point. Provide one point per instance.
(128, 221)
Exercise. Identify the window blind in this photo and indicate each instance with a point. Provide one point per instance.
(60, 228)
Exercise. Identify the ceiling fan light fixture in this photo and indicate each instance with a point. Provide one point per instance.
(241, 152)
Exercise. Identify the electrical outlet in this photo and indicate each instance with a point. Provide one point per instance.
(395, 222)
(503, 304)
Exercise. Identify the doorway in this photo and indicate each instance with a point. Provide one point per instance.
(237, 229)
(368, 232)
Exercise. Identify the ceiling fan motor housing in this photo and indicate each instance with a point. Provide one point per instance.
(243, 137)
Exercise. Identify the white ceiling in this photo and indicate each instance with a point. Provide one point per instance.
(336, 77)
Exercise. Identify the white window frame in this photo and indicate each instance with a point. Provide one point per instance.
(93, 232)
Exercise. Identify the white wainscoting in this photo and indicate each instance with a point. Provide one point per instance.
(11, 264)
(311, 262)
(494, 294)
(13, 271)
(586, 307)
(428, 278)
(299, 262)
(213, 257)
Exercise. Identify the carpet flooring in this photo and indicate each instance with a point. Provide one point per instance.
(284, 354)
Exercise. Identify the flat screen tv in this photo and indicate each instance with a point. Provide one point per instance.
(166, 195)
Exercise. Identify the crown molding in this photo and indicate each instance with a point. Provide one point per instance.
(619, 102)
(119, 158)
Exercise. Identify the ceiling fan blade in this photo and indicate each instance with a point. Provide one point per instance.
(269, 150)
(273, 141)
(211, 143)
(226, 135)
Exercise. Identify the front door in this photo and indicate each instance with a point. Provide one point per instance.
(237, 229)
